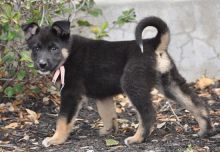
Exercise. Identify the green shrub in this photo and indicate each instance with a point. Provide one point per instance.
(16, 68)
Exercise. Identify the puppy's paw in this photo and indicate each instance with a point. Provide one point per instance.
(113, 128)
(52, 141)
(133, 139)
(46, 142)
(103, 131)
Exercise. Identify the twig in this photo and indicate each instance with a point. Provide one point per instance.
(75, 10)
(43, 15)
(177, 118)
(83, 3)
(10, 146)
(7, 146)
(8, 82)
(6, 79)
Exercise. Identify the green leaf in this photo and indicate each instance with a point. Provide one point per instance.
(21, 74)
(11, 35)
(95, 29)
(9, 91)
(18, 88)
(104, 26)
(7, 9)
(111, 142)
(126, 17)
(87, 5)
(25, 56)
(16, 17)
(83, 23)
(30, 65)
(95, 12)
(35, 90)
(9, 57)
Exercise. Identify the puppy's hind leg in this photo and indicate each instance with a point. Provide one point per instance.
(176, 88)
(106, 110)
(137, 87)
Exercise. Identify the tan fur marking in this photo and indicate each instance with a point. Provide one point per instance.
(138, 136)
(163, 61)
(106, 109)
(198, 112)
(165, 39)
(65, 53)
(63, 130)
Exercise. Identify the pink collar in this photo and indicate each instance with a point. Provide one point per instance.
(60, 71)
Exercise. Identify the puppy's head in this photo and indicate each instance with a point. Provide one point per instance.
(49, 44)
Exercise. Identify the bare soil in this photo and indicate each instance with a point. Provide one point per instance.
(172, 133)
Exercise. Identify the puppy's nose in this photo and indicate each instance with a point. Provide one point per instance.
(42, 64)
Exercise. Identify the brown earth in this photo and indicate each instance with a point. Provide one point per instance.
(24, 124)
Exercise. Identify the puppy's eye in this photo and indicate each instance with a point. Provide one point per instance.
(53, 49)
(36, 49)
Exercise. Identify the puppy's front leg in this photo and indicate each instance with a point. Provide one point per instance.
(70, 106)
(106, 109)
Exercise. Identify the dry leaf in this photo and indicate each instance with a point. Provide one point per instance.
(26, 137)
(122, 120)
(135, 125)
(33, 116)
(118, 110)
(159, 126)
(179, 129)
(195, 128)
(46, 100)
(4, 142)
(186, 127)
(12, 125)
(217, 91)
(90, 108)
(204, 82)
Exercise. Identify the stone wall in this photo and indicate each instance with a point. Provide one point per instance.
(194, 26)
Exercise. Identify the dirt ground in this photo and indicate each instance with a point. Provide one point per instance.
(175, 128)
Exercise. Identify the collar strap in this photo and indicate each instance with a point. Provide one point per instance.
(60, 71)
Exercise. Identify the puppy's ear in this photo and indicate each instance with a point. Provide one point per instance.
(61, 28)
(30, 29)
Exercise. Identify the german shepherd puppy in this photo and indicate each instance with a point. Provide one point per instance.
(101, 69)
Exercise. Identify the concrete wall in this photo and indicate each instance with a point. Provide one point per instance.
(194, 26)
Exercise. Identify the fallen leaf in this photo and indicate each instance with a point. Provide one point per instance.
(186, 127)
(12, 125)
(46, 100)
(124, 103)
(124, 125)
(33, 116)
(216, 136)
(195, 128)
(4, 142)
(135, 125)
(90, 108)
(118, 110)
(159, 126)
(217, 91)
(204, 82)
(179, 129)
(111, 142)
(26, 137)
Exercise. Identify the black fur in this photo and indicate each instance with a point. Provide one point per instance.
(100, 69)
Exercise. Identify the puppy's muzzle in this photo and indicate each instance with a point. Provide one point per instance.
(43, 65)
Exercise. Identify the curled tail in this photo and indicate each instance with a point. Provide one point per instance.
(163, 34)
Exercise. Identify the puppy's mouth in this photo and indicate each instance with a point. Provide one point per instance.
(43, 72)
